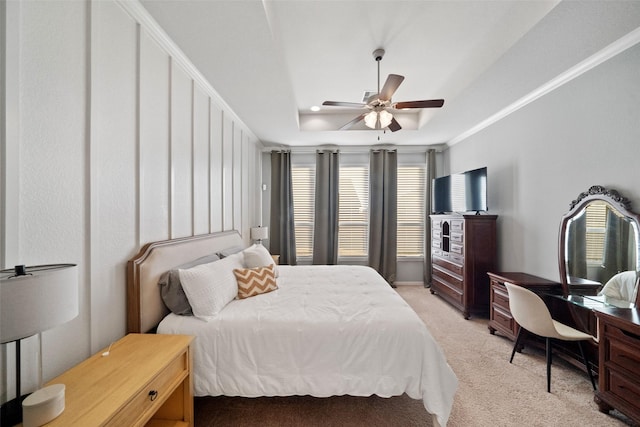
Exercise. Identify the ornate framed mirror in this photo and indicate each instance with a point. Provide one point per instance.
(599, 246)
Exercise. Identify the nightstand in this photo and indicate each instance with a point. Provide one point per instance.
(145, 380)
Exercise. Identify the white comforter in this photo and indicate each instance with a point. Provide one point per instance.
(327, 331)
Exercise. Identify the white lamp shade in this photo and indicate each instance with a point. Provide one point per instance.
(378, 119)
(44, 298)
(371, 119)
(259, 233)
(385, 118)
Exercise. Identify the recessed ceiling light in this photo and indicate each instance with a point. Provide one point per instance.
(315, 108)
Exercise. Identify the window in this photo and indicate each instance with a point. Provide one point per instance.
(353, 206)
(353, 211)
(411, 210)
(596, 223)
(303, 185)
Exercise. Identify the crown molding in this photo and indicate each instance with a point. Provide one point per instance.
(629, 40)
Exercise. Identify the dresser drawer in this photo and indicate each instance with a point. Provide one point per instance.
(457, 238)
(436, 223)
(624, 350)
(502, 318)
(459, 259)
(625, 388)
(457, 225)
(456, 249)
(499, 295)
(445, 276)
(139, 408)
(436, 244)
(436, 234)
(452, 267)
(444, 288)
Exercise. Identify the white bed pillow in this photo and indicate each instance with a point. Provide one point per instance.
(258, 256)
(210, 287)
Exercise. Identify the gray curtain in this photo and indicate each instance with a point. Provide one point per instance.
(282, 239)
(430, 174)
(325, 227)
(615, 246)
(383, 218)
(576, 242)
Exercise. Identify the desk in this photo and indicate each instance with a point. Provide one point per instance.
(619, 380)
(500, 318)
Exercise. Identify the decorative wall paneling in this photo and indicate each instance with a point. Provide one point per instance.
(115, 140)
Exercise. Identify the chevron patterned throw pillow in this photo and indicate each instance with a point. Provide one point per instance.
(255, 281)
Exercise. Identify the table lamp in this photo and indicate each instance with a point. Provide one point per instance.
(259, 234)
(33, 300)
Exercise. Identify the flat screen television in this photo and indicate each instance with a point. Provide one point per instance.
(460, 192)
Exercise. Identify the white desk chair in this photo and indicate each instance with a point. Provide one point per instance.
(532, 314)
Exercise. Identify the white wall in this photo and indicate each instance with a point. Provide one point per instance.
(112, 140)
(541, 157)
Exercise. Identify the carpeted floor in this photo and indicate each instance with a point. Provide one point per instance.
(491, 392)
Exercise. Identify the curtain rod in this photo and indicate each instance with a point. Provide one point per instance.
(410, 149)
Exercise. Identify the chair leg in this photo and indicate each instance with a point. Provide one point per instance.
(586, 364)
(548, 364)
(515, 346)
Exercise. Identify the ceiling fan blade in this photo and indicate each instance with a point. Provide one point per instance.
(353, 122)
(431, 103)
(390, 87)
(394, 126)
(344, 104)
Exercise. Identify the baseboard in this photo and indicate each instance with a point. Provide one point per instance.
(408, 283)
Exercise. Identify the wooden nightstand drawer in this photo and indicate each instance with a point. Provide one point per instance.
(113, 390)
(153, 395)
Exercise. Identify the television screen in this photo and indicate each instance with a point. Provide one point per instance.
(461, 192)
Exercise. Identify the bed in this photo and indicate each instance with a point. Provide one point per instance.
(326, 331)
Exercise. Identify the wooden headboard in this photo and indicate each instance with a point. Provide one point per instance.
(145, 308)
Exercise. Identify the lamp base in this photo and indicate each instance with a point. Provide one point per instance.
(43, 405)
(11, 412)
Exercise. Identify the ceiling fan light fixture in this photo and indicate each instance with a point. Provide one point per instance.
(385, 118)
(378, 119)
(371, 119)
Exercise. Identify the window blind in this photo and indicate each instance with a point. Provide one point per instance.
(303, 186)
(411, 210)
(353, 216)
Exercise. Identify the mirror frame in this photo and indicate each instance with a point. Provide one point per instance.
(596, 192)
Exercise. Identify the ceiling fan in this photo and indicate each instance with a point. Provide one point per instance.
(378, 105)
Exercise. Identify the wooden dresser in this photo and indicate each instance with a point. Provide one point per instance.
(500, 318)
(463, 250)
(144, 381)
(619, 380)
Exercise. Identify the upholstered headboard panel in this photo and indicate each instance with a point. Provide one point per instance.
(145, 308)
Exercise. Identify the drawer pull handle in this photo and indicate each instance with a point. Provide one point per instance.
(153, 394)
